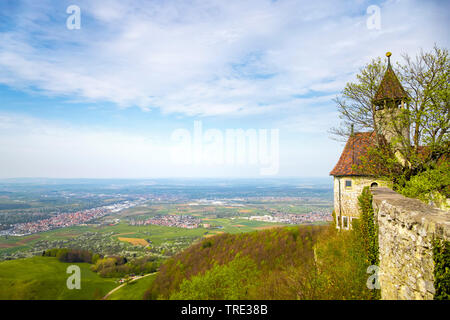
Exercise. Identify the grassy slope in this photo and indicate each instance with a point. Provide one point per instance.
(134, 290)
(45, 278)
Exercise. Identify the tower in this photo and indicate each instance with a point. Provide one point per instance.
(391, 121)
(390, 108)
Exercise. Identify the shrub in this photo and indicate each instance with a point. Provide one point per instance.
(441, 257)
(232, 281)
(366, 229)
(70, 255)
(431, 186)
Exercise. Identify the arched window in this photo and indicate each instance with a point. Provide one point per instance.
(374, 185)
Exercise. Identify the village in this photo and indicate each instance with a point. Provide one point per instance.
(67, 219)
(180, 221)
(289, 218)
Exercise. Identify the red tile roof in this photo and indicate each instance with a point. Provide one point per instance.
(356, 147)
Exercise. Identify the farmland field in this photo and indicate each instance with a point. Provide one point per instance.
(154, 223)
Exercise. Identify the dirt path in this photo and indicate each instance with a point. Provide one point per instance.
(124, 284)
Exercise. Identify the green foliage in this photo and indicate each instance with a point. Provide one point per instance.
(133, 290)
(441, 257)
(432, 185)
(70, 255)
(410, 162)
(232, 281)
(333, 223)
(427, 182)
(381, 161)
(426, 80)
(115, 266)
(206, 244)
(341, 269)
(366, 229)
(111, 267)
(271, 250)
(282, 263)
(44, 278)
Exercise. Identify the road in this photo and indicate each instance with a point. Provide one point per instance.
(124, 284)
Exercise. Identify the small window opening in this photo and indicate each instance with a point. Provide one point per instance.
(345, 222)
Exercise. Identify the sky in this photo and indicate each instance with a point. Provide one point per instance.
(154, 89)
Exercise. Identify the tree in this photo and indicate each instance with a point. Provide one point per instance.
(426, 113)
(233, 281)
(426, 78)
(355, 103)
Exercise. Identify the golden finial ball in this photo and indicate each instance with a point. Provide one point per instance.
(388, 54)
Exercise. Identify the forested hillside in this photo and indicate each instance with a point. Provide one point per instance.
(304, 262)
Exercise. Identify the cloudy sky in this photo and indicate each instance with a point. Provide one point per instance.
(105, 100)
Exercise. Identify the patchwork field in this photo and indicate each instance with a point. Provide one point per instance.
(116, 234)
(21, 242)
(135, 241)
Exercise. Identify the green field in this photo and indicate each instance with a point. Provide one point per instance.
(44, 278)
(106, 236)
(133, 290)
(156, 234)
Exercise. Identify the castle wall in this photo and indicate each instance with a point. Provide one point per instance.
(406, 230)
(346, 204)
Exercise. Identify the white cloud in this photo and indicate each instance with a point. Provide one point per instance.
(276, 64)
(207, 57)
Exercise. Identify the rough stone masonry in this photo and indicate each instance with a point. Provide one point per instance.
(406, 230)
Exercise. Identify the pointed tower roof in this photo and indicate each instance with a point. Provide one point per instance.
(390, 88)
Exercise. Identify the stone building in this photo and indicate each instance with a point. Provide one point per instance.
(349, 178)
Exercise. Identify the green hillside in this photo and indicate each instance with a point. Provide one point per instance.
(134, 290)
(44, 278)
(302, 262)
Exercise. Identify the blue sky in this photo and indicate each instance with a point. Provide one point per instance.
(104, 100)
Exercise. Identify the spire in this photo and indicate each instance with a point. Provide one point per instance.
(390, 89)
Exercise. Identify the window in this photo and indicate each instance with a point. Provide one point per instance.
(345, 222)
(348, 183)
(374, 185)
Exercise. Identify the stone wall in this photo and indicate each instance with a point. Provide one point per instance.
(406, 230)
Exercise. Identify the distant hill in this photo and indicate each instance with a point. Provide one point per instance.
(44, 278)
